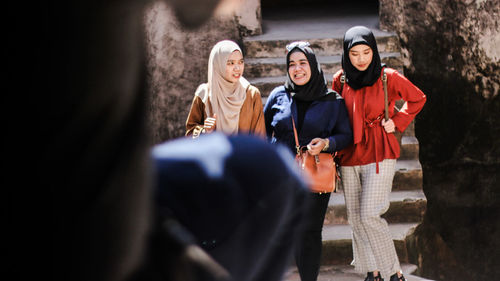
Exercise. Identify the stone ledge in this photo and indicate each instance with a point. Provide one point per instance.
(409, 147)
(408, 175)
(275, 47)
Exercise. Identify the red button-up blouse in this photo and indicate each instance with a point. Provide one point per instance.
(366, 110)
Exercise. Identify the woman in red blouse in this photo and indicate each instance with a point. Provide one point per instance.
(368, 165)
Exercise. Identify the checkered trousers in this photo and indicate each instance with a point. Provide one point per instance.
(367, 198)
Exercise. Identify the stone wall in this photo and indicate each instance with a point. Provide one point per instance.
(451, 52)
(249, 17)
(468, 29)
(177, 64)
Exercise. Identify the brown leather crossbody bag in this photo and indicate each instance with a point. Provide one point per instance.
(319, 170)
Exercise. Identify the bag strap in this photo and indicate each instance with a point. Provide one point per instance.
(386, 96)
(297, 146)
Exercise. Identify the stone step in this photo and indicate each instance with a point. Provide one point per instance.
(408, 175)
(347, 273)
(276, 66)
(337, 242)
(405, 207)
(324, 35)
(409, 146)
(270, 48)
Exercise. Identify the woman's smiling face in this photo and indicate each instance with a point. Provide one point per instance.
(299, 68)
(234, 67)
(361, 56)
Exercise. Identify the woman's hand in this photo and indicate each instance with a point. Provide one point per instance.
(209, 124)
(389, 126)
(316, 146)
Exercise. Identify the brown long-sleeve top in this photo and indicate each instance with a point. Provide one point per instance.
(251, 119)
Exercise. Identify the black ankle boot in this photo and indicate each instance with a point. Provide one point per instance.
(395, 277)
(370, 277)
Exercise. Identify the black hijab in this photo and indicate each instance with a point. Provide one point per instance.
(316, 88)
(355, 78)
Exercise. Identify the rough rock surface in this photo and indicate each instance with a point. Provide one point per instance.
(177, 64)
(466, 33)
(451, 52)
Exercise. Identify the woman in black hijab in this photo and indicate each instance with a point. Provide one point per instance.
(322, 125)
(360, 35)
(368, 166)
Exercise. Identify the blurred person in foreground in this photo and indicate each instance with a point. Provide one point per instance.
(240, 198)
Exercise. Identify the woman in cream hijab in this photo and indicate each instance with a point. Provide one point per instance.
(227, 102)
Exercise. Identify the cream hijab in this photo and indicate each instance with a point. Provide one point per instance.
(226, 98)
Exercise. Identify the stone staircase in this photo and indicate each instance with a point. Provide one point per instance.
(265, 68)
